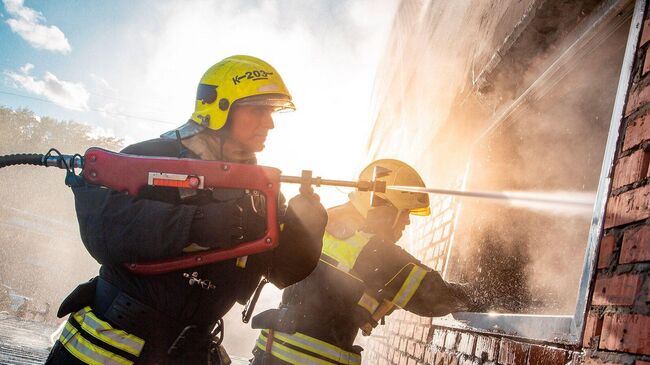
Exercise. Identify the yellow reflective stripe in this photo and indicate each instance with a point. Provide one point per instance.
(241, 262)
(106, 333)
(320, 347)
(368, 303)
(316, 346)
(86, 351)
(345, 252)
(410, 285)
(290, 355)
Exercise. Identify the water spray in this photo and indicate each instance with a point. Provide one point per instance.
(503, 196)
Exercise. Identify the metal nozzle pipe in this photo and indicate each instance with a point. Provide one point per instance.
(362, 185)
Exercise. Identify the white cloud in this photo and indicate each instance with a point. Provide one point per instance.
(27, 68)
(102, 83)
(27, 23)
(67, 94)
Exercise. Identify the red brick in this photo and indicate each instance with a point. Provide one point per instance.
(597, 361)
(593, 327)
(402, 344)
(410, 347)
(442, 359)
(418, 351)
(417, 334)
(439, 337)
(451, 340)
(427, 334)
(630, 169)
(607, 246)
(616, 290)
(637, 131)
(466, 343)
(513, 353)
(408, 330)
(646, 64)
(645, 34)
(403, 359)
(641, 362)
(453, 360)
(636, 245)
(625, 332)
(636, 99)
(487, 348)
(429, 357)
(544, 355)
(628, 207)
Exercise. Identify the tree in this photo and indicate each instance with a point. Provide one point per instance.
(41, 255)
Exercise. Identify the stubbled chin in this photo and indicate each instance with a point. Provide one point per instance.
(258, 147)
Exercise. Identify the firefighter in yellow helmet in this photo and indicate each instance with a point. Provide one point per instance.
(174, 318)
(362, 276)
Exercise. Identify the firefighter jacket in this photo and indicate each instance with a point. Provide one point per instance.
(118, 228)
(320, 316)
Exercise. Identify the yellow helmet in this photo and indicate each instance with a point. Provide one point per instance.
(243, 79)
(396, 173)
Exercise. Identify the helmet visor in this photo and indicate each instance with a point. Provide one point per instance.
(279, 102)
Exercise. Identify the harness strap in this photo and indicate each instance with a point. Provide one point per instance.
(269, 342)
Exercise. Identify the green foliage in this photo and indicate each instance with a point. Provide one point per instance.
(20, 129)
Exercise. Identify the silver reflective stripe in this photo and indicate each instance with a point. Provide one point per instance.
(87, 351)
(409, 287)
(119, 341)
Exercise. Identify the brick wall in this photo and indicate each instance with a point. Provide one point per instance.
(617, 327)
(428, 238)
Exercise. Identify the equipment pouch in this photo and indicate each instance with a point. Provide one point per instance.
(281, 320)
(83, 295)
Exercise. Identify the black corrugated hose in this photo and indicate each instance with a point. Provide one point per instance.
(37, 159)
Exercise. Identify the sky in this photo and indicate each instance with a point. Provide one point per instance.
(130, 69)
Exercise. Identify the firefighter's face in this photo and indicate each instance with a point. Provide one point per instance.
(403, 220)
(250, 126)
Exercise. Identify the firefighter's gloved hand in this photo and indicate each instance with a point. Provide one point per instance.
(306, 211)
(224, 224)
(470, 299)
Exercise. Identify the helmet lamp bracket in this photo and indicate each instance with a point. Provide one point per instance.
(377, 173)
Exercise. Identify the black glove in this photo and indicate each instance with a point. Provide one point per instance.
(224, 224)
(470, 299)
(301, 241)
(306, 211)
